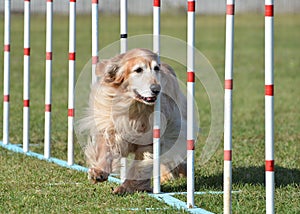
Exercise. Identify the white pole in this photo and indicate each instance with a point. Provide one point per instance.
(26, 84)
(190, 102)
(156, 122)
(6, 78)
(94, 38)
(123, 26)
(269, 105)
(48, 89)
(228, 106)
(72, 72)
(123, 49)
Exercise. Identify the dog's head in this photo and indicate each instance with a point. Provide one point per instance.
(134, 72)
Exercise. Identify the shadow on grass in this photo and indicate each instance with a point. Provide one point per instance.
(254, 175)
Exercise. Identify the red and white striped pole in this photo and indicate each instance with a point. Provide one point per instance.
(94, 38)
(156, 121)
(72, 72)
(48, 89)
(269, 105)
(6, 85)
(26, 84)
(6, 78)
(123, 49)
(228, 105)
(190, 102)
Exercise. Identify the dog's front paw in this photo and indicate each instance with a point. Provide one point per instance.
(97, 175)
(120, 190)
(131, 186)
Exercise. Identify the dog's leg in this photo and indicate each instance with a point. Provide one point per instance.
(99, 158)
(139, 174)
(167, 173)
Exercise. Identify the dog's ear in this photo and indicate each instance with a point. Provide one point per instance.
(109, 70)
(100, 68)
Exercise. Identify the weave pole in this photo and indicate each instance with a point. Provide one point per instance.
(156, 119)
(6, 77)
(123, 49)
(269, 106)
(72, 72)
(26, 79)
(190, 102)
(94, 38)
(123, 26)
(228, 86)
(48, 89)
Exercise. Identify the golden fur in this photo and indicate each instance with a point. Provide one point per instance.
(120, 120)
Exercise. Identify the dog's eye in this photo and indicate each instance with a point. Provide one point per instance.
(156, 68)
(138, 70)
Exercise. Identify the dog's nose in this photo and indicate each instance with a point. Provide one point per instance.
(155, 88)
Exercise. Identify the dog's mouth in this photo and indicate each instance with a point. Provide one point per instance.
(147, 100)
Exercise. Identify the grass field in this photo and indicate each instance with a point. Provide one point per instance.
(28, 185)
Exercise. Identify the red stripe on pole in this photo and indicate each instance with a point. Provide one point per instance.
(228, 84)
(156, 133)
(230, 9)
(191, 6)
(72, 0)
(71, 112)
(48, 108)
(26, 51)
(94, 59)
(94, 1)
(27, 0)
(156, 3)
(72, 56)
(190, 144)
(49, 0)
(6, 98)
(269, 10)
(190, 76)
(48, 55)
(227, 155)
(269, 90)
(26, 103)
(270, 166)
(7, 48)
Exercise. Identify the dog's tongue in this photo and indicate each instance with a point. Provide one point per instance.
(149, 99)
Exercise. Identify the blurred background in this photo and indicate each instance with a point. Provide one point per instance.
(169, 6)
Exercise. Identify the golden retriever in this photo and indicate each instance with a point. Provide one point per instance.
(120, 120)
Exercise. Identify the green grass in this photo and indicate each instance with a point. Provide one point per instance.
(32, 186)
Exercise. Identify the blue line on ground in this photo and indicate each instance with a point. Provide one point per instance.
(165, 197)
(180, 205)
(17, 149)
